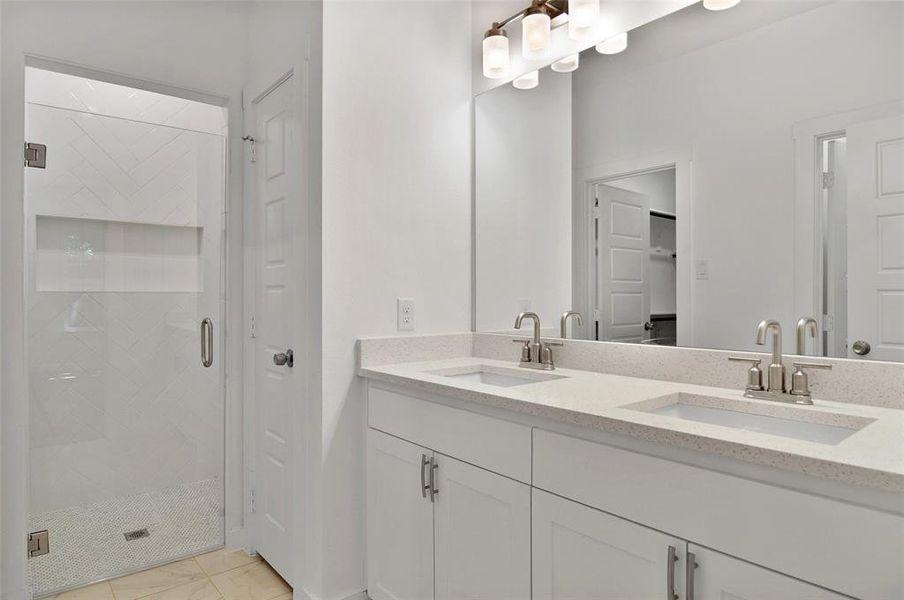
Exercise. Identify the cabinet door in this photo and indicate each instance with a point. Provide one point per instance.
(399, 521)
(718, 576)
(584, 554)
(482, 526)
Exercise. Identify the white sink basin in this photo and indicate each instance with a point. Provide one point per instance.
(783, 420)
(495, 376)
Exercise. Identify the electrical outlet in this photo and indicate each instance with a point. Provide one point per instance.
(702, 269)
(406, 314)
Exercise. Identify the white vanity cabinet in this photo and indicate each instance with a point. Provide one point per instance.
(530, 509)
(466, 536)
(582, 553)
(399, 521)
(718, 576)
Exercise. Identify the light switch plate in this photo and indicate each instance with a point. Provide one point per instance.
(406, 314)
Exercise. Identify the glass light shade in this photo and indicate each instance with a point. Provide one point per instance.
(535, 36)
(583, 19)
(719, 4)
(495, 56)
(528, 81)
(614, 45)
(567, 64)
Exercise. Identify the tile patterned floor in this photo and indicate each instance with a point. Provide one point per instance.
(218, 575)
(87, 542)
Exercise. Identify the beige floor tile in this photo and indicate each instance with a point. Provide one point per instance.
(284, 597)
(156, 580)
(219, 561)
(256, 581)
(196, 590)
(99, 591)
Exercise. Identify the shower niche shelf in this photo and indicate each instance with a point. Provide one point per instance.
(93, 255)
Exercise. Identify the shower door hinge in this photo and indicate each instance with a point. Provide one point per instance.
(828, 180)
(38, 543)
(35, 155)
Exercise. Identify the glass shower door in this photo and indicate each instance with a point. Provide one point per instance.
(124, 246)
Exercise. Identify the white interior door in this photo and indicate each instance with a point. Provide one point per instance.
(583, 554)
(277, 387)
(718, 576)
(399, 520)
(876, 238)
(622, 259)
(482, 526)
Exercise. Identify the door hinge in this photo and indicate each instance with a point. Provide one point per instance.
(252, 501)
(251, 333)
(828, 180)
(38, 543)
(35, 155)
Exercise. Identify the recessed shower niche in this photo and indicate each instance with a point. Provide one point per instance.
(91, 255)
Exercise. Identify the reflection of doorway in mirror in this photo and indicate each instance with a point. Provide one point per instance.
(635, 258)
(832, 220)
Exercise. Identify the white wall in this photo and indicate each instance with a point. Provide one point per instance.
(203, 51)
(658, 186)
(733, 104)
(523, 202)
(396, 218)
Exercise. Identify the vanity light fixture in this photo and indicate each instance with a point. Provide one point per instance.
(583, 19)
(720, 4)
(613, 45)
(567, 64)
(495, 53)
(528, 81)
(536, 32)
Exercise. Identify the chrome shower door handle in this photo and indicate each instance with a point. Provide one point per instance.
(207, 342)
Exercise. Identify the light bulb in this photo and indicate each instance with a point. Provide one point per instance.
(535, 34)
(583, 18)
(495, 54)
(719, 4)
(567, 64)
(614, 45)
(528, 81)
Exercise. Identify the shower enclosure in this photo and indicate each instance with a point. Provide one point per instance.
(124, 294)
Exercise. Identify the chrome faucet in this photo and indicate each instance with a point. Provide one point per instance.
(804, 326)
(775, 380)
(535, 353)
(775, 387)
(563, 324)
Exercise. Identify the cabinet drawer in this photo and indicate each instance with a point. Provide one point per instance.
(841, 546)
(487, 442)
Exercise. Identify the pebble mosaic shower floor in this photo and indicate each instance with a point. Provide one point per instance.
(87, 543)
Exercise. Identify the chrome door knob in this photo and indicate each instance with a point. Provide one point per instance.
(286, 359)
(861, 348)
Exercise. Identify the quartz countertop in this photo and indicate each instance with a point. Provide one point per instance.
(872, 456)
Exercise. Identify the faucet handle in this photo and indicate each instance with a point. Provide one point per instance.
(754, 373)
(800, 384)
(525, 349)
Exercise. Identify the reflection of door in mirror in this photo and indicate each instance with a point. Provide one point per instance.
(875, 151)
(634, 258)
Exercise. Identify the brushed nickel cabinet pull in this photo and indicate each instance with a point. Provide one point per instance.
(689, 575)
(424, 463)
(432, 485)
(670, 574)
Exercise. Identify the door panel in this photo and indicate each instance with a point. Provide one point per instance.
(623, 241)
(583, 554)
(399, 521)
(275, 301)
(482, 534)
(876, 238)
(721, 577)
